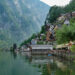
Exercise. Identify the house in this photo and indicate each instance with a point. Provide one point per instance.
(51, 27)
(34, 41)
(41, 49)
(70, 15)
(47, 26)
(73, 14)
(48, 35)
(42, 35)
(25, 48)
(66, 16)
(51, 33)
(62, 17)
(67, 22)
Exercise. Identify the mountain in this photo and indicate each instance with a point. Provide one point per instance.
(19, 19)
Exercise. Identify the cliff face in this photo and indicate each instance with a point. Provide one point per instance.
(19, 19)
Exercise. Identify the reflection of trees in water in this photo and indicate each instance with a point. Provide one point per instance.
(29, 59)
(26, 57)
(48, 69)
(14, 54)
(13, 50)
(55, 68)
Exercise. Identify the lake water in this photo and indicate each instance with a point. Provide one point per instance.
(25, 64)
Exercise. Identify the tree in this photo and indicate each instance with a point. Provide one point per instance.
(65, 34)
(43, 29)
(54, 13)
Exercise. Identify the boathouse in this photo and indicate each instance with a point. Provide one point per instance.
(41, 49)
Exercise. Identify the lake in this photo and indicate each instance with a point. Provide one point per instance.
(23, 63)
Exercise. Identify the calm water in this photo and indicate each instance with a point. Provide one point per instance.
(25, 64)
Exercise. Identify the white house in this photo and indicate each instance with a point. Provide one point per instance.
(42, 47)
(33, 41)
(67, 22)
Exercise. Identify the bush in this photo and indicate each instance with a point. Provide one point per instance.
(43, 37)
(43, 29)
(65, 34)
(40, 42)
(73, 48)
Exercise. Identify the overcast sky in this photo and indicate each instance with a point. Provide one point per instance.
(56, 2)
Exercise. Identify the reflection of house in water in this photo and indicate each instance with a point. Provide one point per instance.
(41, 59)
(37, 59)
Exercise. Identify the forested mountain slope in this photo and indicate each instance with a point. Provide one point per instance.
(56, 11)
(19, 19)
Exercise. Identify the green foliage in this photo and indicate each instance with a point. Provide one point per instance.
(28, 40)
(45, 70)
(54, 47)
(43, 37)
(65, 34)
(73, 48)
(43, 29)
(54, 13)
(72, 20)
(40, 42)
(70, 7)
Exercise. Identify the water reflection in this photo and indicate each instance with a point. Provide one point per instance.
(27, 64)
(14, 54)
(51, 65)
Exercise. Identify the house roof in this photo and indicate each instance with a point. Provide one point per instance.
(41, 46)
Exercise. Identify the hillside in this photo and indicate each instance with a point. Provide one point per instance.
(59, 26)
(64, 19)
(19, 19)
(56, 11)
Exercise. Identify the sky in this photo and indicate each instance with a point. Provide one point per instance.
(56, 2)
